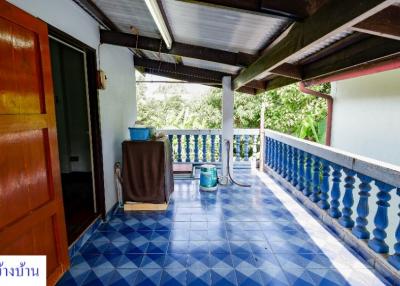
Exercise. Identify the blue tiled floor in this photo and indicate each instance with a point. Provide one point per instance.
(236, 236)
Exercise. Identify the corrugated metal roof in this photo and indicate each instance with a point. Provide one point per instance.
(218, 28)
(127, 13)
(210, 65)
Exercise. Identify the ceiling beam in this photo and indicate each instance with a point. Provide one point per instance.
(97, 14)
(333, 48)
(356, 55)
(190, 74)
(303, 35)
(188, 71)
(384, 24)
(279, 81)
(364, 53)
(282, 9)
(381, 65)
(178, 49)
(288, 70)
(248, 90)
(191, 79)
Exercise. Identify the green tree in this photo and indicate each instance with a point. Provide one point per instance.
(288, 110)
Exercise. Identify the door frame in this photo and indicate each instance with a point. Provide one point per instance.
(94, 114)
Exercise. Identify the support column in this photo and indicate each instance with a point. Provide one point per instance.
(227, 123)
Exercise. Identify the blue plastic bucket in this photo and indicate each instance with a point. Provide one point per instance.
(138, 134)
(208, 178)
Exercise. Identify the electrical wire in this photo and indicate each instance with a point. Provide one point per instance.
(228, 149)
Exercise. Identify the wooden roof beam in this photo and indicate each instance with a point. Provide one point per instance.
(288, 70)
(191, 79)
(384, 24)
(178, 49)
(199, 73)
(189, 74)
(303, 35)
(363, 53)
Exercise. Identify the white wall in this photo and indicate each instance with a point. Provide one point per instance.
(118, 101)
(117, 110)
(366, 116)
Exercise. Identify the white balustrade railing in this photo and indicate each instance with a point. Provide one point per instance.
(358, 194)
(191, 145)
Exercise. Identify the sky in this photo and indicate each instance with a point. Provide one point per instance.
(191, 90)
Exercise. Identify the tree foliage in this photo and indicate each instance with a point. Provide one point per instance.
(288, 110)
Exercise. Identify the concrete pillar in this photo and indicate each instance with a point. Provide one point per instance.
(227, 123)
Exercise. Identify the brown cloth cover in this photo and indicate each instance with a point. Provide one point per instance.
(147, 171)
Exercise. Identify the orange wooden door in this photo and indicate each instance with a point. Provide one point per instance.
(31, 208)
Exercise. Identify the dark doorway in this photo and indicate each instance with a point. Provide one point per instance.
(74, 136)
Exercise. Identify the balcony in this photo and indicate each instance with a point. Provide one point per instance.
(312, 218)
(204, 146)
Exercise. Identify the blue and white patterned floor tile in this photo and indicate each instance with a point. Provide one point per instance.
(235, 236)
(173, 277)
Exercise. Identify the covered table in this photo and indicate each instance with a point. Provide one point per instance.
(147, 171)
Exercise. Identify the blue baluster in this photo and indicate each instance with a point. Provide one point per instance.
(279, 157)
(381, 219)
(360, 230)
(323, 203)
(295, 174)
(213, 148)
(285, 160)
(237, 149)
(246, 147)
(348, 199)
(265, 150)
(204, 147)
(273, 153)
(290, 163)
(187, 141)
(220, 148)
(335, 192)
(196, 148)
(316, 180)
(171, 142)
(254, 145)
(395, 258)
(179, 137)
(301, 178)
(308, 182)
(283, 166)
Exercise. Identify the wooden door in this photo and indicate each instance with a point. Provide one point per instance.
(31, 208)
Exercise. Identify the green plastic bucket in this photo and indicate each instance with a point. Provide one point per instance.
(208, 178)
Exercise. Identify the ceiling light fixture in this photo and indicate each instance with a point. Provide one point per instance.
(155, 12)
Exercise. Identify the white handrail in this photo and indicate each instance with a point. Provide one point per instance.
(382, 171)
(376, 169)
(208, 131)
